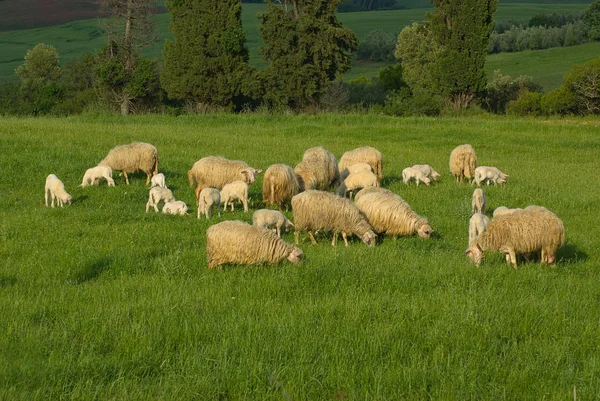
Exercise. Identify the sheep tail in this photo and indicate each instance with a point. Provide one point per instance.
(191, 178)
(155, 168)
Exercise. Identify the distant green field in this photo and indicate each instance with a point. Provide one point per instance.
(74, 38)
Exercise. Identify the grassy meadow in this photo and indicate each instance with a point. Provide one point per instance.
(74, 38)
(101, 300)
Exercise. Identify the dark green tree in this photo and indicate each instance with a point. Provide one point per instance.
(462, 28)
(591, 17)
(207, 62)
(307, 48)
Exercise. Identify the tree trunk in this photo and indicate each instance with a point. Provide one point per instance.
(127, 40)
(125, 106)
(296, 11)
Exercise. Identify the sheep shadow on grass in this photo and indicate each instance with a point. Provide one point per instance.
(568, 253)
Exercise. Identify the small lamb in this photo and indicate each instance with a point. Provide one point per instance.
(477, 225)
(478, 202)
(158, 194)
(489, 174)
(428, 171)
(175, 207)
(55, 189)
(411, 173)
(93, 175)
(361, 179)
(209, 199)
(236, 190)
(272, 219)
(158, 180)
(503, 210)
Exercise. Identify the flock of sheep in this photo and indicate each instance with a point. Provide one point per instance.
(532, 232)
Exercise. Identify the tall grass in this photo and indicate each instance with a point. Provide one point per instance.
(100, 300)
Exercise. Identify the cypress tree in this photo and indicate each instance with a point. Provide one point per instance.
(207, 61)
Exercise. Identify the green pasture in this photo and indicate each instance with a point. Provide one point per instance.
(101, 300)
(75, 38)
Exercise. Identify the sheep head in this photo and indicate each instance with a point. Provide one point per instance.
(295, 256)
(250, 174)
(369, 238)
(475, 253)
(425, 230)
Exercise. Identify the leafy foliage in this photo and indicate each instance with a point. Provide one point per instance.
(378, 46)
(527, 104)
(591, 18)
(584, 82)
(559, 101)
(502, 89)
(41, 62)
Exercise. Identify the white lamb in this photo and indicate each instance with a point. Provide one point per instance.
(354, 168)
(478, 202)
(477, 225)
(411, 173)
(361, 179)
(55, 189)
(428, 171)
(158, 180)
(272, 219)
(175, 207)
(489, 174)
(158, 194)
(209, 199)
(93, 175)
(503, 210)
(236, 190)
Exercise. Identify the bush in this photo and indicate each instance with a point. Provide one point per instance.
(584, 82)
(502, 89)
(559, 101)
(365, 92)
(336, 97)
(391, 77)
(528, 104)
(378, 46)
(403, 103)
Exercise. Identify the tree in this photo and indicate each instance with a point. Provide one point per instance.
(307, 48)
(41, 62)
(207, 62)
(591, 17)
(462, 29)
(584, 82)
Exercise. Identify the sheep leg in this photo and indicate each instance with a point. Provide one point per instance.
(513, 258)
(148, 178)
(312, 238)
(345, 237)
(46, 193)
(126, 178)
(296, 236)
(334, 239)
(278, 232)
(245, 202)
(232, 208)
(52, 197)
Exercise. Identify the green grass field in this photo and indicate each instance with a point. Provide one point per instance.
(103, 301)
(75, 38)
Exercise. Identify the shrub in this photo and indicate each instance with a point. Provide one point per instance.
(528, 104)
(365, 92)
(391, 77)
(404, 103)
(335, 97)
(378, 46)
(502, 89)
(584, 82)
(558, 101)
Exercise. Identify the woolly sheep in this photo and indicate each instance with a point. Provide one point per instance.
(389, 214)
(355, 168)
(271, 219)
(477, 224)
(209, 199)
(158, 180)
(319, 210)
(158, 194)
(279, 185)
(503, 210)
(237, 242)
(133, 157)
(362, 179)
(365, 154)
(175, 207)
(489, 174)
(428, 171)
(410, 173)
(216, 171)
(463, 162)
(525, 231)
(478, 202)
(317, 170)
(93, 175)
(369, 190)
(236, 190)
(55, 189)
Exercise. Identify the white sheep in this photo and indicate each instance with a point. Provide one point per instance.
(156, 195)
(489, 174)
(209, 199)
(369, 190)
(463, 162)
(365, 154)
(319, 210)
(175, 207)
(503, 210)
(362, 179)
(93, 175)
(237, 242)
(133, 157)
(478, 201)
(524, 231)
(216, 171)
(355, 168)
(389, 214)
(271, 219)
(236, 190)
(158, 180)
(55, 189)
(279, 185)
(477, 224)
(411, 173)
(428, 171)
(317, 170)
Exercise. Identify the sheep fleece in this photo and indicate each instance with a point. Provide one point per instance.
(137, 156)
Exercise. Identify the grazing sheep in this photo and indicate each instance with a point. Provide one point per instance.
(209, 199)
(389, 214)
(362, 179)
(236, 242)
(525, 231)
(478, 202)
(365, 154)
(463, 162)
(55, 189)
(369, 190)
(133, 157)
(503, 210)
(489, 174)
(216, 171)
(428, 171)
(355, 168)
(319, 210)
(93, 175)
(158, 180)
(175, 207)
(410, 173)
(271, 219)
(477, 224)
(279, 185)
(317, 170)
(236, 190)
(158, 194)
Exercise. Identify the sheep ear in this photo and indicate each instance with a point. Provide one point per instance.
(468, 251)
(258, 171)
